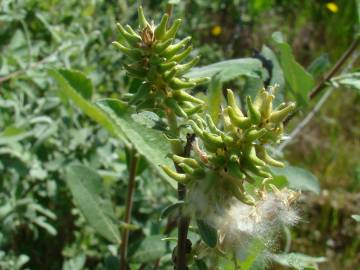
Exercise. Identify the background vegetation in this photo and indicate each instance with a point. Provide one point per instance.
(41, 132)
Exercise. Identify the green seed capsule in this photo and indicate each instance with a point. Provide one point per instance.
(181, 95)
(212, 139)
(172, 104)
(200, 81)
(280, 106)
(253, 113)
(196, 173)
(181, 56)
(130, 38)
(199, 121)
(198, 131)
(179, 177)
(259, 99)
(131, 31)
(186, 168)
(251, 155)
(228, 125)
(242, 196)
(266, 105)
(189, 161)
(172, 31)
(174, 49)
(176, 84)
(143, 23)
(166, 66)
(248, 166)
(255, 134)
(228, 140)
(168, 75)
(135, 54)
(160, 47)
(211, 125)
(193, 110)
(232, 102)
(199, 173)
(279, 116)
(239, 121)
(160, 30)
(267, 158)
(184, 68)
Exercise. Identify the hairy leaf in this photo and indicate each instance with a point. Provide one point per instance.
(229, 69)
(150, 249)
(207, 232)
(89, 195)
(298, 178)
(214, 98)
(298, 261)
(299, 81)
(148, 141)
(170, 208)
(350, 80)
(77, 87)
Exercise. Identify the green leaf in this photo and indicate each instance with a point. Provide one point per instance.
(298, 261)
(75, 263)
(349, 80)
(207, 233)
(78, 81)
(214, 98)
(89, 195)
(319, 65)
(148, 141)
(277, 75)
(77, 87)
(201, 265)
(251, 254)
(356, 217)
(298, 178)
(150, 249)
(299, 81)
(112, 263)
(13, 134)
(229, 69)
(170, 208)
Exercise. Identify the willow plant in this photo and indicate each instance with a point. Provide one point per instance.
(223, 170)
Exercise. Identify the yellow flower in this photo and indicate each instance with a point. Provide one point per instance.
(216, 30)
(332, 7)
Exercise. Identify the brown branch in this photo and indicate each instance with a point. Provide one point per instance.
(184, 221)
(129, 203)
(335, 68)
(321, 85)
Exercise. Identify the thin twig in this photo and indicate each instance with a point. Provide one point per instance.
(335, 68)
(304, 122)
(134, 158)
(321, 85)
(313, 112)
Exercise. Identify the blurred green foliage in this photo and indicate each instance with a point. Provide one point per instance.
(39, 137)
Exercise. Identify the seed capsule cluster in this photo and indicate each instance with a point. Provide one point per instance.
(155, 59)
(236, 152)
